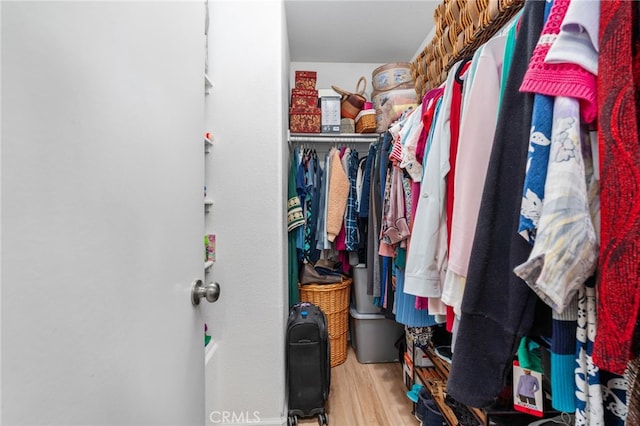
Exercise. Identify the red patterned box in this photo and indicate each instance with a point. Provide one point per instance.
(304, 101)
(304, 120)
(304, 98)
(304, 92)
(305, 80)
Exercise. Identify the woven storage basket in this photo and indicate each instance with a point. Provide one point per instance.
(366, 121)
(333, 299)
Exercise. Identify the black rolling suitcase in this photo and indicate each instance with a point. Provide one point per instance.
(308, 363)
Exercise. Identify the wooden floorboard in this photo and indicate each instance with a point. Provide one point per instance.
(367, 395)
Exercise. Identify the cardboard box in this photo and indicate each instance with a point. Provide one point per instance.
(330, 106)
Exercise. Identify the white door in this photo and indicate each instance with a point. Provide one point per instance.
(102, 212)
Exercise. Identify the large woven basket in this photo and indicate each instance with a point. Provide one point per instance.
(333, 299)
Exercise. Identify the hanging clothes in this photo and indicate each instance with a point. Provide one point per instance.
(351, 215)
(589, 400)
(337, 195)
(384, 259)
(498, 307)
(540, 138)
(310, 163)
(295, 219)
(427, 254)
(477, 130)
(565, 252)
(618, 80)
(561, 78)
(322, 242)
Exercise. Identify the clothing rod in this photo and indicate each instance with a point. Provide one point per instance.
(334, 139)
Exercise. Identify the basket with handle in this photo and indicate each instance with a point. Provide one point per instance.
(352, 103)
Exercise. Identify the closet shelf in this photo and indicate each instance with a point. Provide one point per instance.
(209, 350)
(208, 84)
(207, 205)
(334, 137)
(208, 143)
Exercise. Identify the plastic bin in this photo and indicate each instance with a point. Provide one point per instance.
(373, 337)
(363, 302)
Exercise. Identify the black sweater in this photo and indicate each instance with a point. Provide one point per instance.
(498, 307)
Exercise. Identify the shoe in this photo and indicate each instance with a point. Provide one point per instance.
(421, 406)
(462, 412)
(444, 353)
(413, 393)
(432, 415)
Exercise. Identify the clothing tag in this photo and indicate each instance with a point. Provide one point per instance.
(527, 390)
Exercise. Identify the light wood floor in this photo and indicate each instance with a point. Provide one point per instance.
(367, 395)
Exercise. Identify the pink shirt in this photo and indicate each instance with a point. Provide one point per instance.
(477, 129)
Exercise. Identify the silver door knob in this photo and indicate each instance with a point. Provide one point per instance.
(199, 290)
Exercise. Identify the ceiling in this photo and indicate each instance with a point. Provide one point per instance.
(357, 31)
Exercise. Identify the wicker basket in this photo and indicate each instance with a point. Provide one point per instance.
(333, 299)
(366, 121)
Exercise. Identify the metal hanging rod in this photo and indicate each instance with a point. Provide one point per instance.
(334, 138)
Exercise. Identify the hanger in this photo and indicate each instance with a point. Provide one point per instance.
(460, 68)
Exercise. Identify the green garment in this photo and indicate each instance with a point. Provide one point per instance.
(295, 219)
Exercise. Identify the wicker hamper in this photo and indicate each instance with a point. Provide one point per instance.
(333, 299)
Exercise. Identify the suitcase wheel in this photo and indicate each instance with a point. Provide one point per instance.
(323, 419)
(292, 421)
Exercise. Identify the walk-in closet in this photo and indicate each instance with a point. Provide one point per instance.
(476, 221)
(452, 184)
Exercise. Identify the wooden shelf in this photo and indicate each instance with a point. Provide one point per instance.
(435, 380)
(436, 384)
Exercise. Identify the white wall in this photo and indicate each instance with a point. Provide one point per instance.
(248, 184)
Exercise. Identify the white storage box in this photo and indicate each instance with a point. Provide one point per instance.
(363, 301)
(373, 337)
(330, 106)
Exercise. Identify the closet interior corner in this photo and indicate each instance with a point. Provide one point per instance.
(470, 218)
